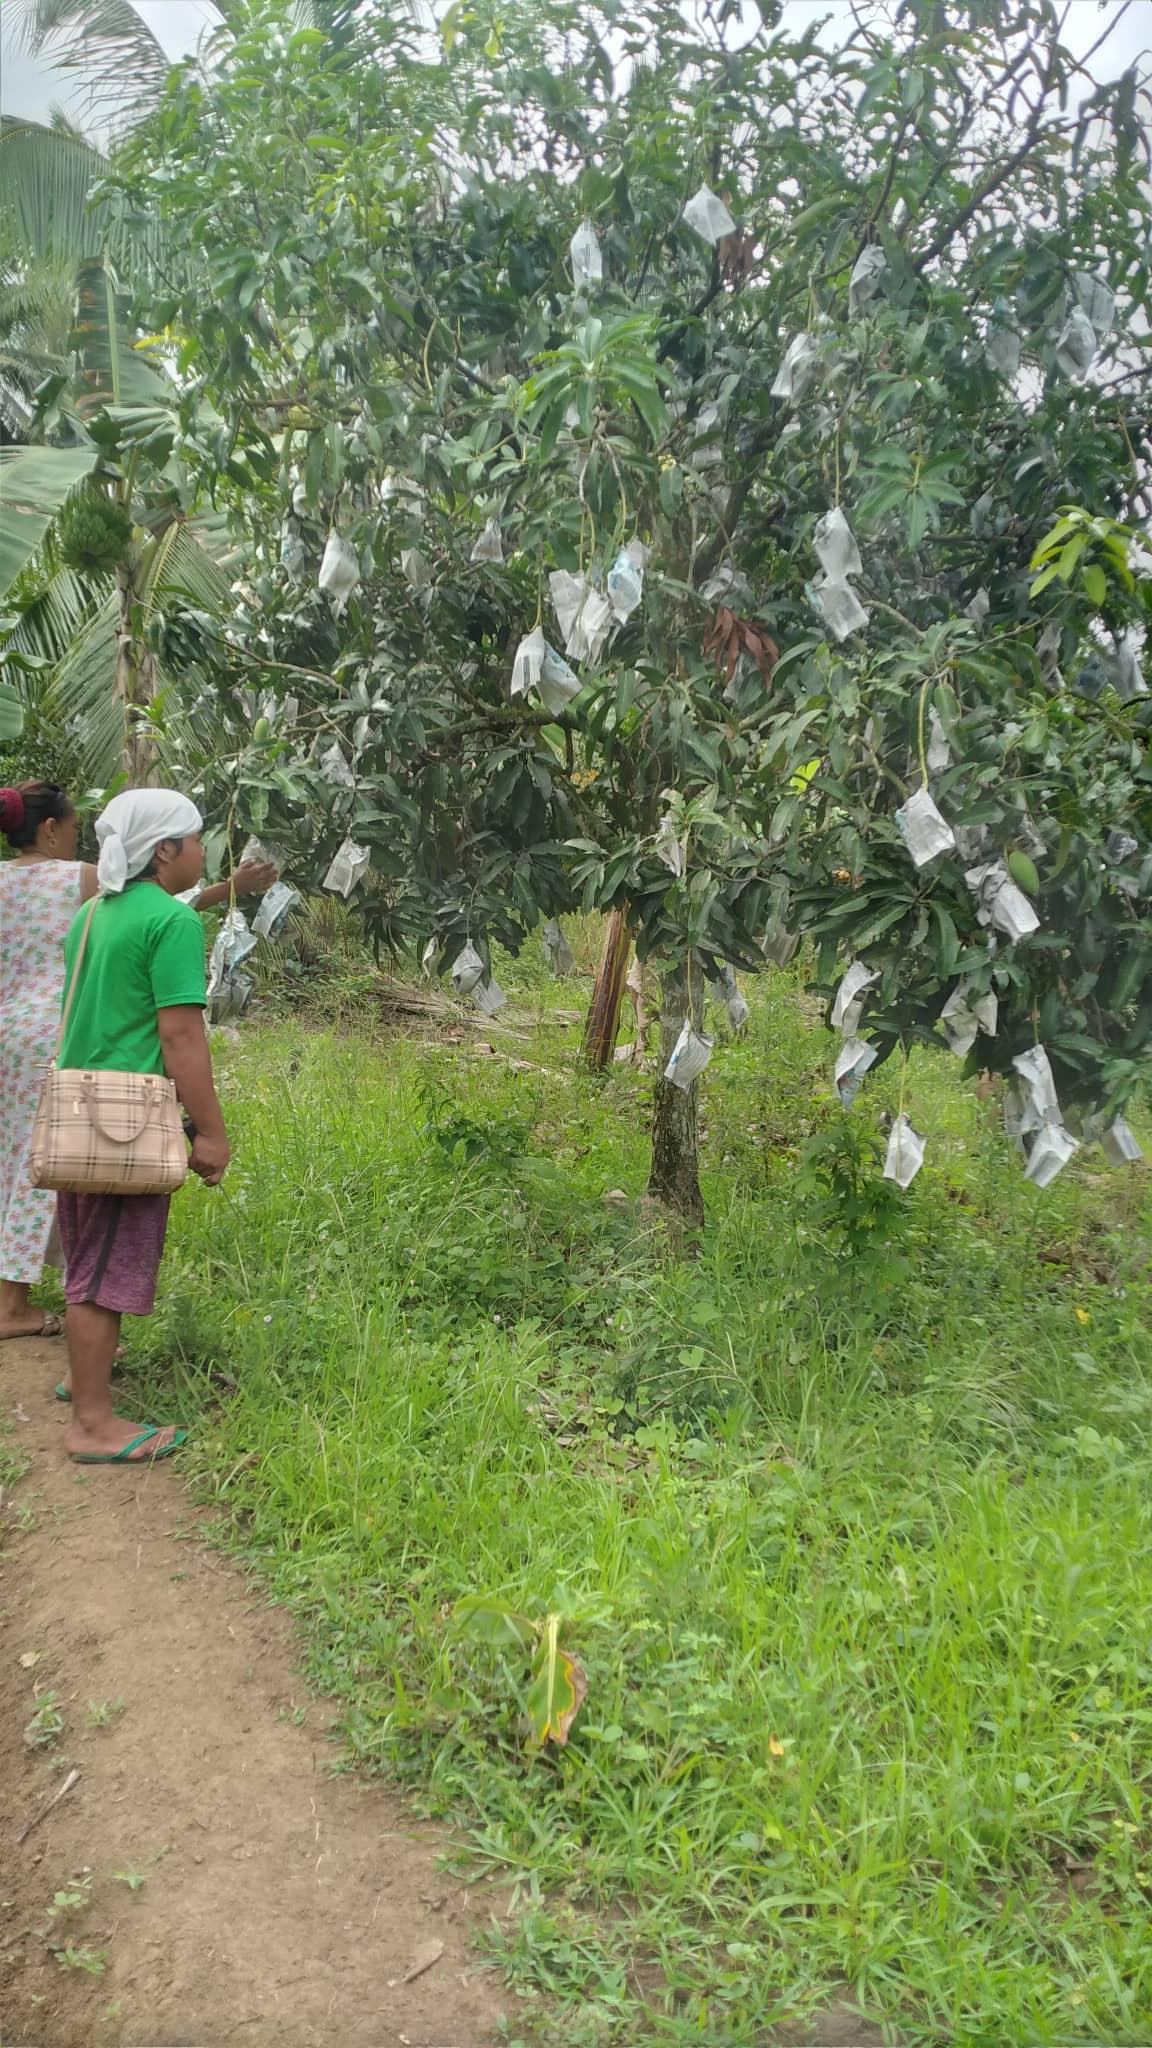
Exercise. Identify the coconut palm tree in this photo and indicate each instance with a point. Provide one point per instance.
(105, 43)
(123, 64)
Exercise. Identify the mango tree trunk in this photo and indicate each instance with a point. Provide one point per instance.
(674, 1181)
(608, 993)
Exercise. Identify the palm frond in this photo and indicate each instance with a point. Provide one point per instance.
(53, 611)
(183, 568)
(34, 483)
(123, 63)
(82, 692)
(46, 176)
(78, 628)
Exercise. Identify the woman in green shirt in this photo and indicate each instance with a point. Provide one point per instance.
(138, 1007)
(41, 885)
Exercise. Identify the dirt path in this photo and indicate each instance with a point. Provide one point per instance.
(281, 1907)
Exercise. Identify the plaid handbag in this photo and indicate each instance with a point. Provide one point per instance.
(105, 1133)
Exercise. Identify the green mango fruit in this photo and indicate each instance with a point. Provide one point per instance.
(1023, 872)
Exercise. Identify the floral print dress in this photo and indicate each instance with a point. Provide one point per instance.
(38, 901)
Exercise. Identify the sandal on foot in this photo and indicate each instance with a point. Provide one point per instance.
(126, 1456)
(50, 1326)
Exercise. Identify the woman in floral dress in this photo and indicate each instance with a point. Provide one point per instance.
(41, 889)
(40, 893)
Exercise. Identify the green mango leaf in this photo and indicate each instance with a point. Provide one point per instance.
(1095, 583)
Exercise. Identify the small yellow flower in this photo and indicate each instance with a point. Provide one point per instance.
(1083, 1315)
(775, 1746)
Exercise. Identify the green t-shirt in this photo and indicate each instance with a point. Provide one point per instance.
(145, 953)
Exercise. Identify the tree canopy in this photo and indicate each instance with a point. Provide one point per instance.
(641, 431)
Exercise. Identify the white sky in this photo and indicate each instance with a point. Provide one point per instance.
(30, 87)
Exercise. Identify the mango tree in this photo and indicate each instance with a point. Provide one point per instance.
(647, 427)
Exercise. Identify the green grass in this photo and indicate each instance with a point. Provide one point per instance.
(854, 1550)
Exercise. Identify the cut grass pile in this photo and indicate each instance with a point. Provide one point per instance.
(853, 1544)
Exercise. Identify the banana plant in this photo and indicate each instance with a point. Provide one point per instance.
(549, 1679)
(110, 507)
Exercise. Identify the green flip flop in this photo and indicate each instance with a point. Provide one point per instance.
(125, 1457)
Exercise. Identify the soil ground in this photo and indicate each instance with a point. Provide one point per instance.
(282, 1907)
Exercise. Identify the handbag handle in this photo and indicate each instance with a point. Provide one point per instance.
(74, 978)
(153, 1096)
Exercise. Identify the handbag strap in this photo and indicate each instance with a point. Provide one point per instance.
(74, 978)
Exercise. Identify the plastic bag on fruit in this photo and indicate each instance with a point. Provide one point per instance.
(1038, 1089)
(488, 995)
(848, 1007)
(230, 996)
(690, 1055)
(488, 546)
(939, 750)
(905, 1154)
(709, 216)
(349, 864)
(669, 847)
(339, 571)
(233, 943)
(864, 282)
(625, 585)
(467, 970)
(528, 663)
(1049, 1153)
(561, 958)
(230, 989)
(925, 833)
(276, 908)
(843, 612)
(415, 568)
(586, 255)
(293, 557)
(797, 368)
(334, 768)
(855, 1058)
(558, 683)
(1120, 1144)
(999, 902)
(835, 544)
(1075, 352)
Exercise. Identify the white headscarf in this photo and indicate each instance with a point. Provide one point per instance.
(132, 826)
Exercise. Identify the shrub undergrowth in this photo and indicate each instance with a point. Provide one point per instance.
(846, 1516)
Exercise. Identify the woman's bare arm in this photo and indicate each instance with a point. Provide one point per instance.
(252, 879)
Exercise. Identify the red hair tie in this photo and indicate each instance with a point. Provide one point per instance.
(12, 811)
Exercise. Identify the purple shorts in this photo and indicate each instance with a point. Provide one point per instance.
(113, 1245)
